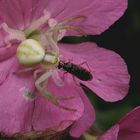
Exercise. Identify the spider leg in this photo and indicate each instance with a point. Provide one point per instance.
(24, 70)
(48, 95)
(57, 79)
(41, 79)
(56, 99)
(53, 44)
(74, 79)
(36, 72)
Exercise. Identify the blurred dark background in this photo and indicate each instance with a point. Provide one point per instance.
(124, 38)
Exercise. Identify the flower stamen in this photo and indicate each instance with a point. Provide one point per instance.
(64, 25)
(13, 34)
(37, 24)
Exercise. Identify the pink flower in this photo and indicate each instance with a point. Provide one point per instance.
(128, 128)
(22, 106)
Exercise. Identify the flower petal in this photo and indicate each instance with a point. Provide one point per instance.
(110, 76)
(47, 115)
(131, 121)
(12, 13)
(20, 13)
(6, 53)
(15, 110)
(127, 128)
(19, 114)
(2, 36)
(99, 14)
(111, 134)
(87, 119)
(55, 7)
(5, 68)
(129, 136)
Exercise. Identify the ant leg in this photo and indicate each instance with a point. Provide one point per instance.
(74, 79)
(48, 95)
(85, 62)
(61, 58)
(64, 59)
(70, 59)
(64, 75)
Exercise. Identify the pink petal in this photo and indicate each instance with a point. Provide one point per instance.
(110, 75)
(111, 134)
(20, 13)
(5, 67)
(2, 36)
(131, 122)
(55, 7)
(99, 14)
(12, 13)
(15, 110)
(86, 120)
(46, 115)
(128, 128)
(128, 135)
(6, 53)
(18, 114)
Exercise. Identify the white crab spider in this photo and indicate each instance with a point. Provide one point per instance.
(30, 53)
(39, 47)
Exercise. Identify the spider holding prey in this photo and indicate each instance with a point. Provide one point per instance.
(31, 53)
(38, 51)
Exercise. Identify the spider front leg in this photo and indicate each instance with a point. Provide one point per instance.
(24, 70)
(48, 95)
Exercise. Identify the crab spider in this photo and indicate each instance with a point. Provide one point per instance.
(31, 54)
(38, 50)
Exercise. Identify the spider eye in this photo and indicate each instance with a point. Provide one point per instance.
(30, 52)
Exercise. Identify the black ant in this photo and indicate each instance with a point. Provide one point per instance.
(76, 70)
